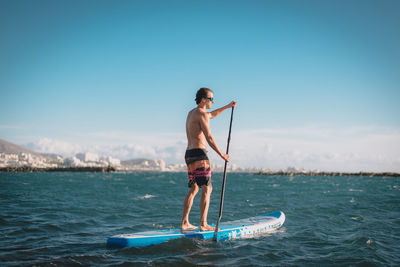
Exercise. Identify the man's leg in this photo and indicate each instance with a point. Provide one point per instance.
(204, 205)
(187, 206)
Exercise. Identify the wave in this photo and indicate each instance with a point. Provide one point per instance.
(147, 196)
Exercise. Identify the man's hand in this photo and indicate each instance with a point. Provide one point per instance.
(225, 157)
(232, 104)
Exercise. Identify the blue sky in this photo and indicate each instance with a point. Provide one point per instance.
(115, 76)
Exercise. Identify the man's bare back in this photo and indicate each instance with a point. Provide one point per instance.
(194, 133)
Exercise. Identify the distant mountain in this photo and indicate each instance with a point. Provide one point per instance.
(10, 148)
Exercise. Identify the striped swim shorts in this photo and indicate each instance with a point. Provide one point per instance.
(198, 165)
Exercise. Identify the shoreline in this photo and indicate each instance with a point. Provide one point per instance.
(57, 169)
(361, 174)
(109, 169)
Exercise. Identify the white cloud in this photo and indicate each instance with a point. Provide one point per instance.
(122, 138)
(47, 145)
(351, 149)
(172, 153)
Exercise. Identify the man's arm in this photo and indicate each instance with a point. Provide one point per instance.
(205, 128)
(216, 112)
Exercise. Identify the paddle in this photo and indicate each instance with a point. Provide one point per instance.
(221, 205)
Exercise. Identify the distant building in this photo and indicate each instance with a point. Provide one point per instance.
(162, 165)
(24, 157)
(88, 157)
(112, 161)
(73, 162)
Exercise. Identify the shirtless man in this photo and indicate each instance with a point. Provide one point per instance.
(198, 165)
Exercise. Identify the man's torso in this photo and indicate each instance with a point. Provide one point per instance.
(194, 132)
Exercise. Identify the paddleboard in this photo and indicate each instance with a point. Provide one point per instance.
(228, 230)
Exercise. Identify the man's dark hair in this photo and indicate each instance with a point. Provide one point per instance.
(202, 93)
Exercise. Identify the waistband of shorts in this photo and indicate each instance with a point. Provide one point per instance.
(195, 152)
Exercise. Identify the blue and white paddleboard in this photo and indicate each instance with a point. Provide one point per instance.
(228, 230)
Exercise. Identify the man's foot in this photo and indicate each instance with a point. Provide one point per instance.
(188, 227)
(206, 227)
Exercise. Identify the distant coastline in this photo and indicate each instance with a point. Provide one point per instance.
(14, 158)
(266, 173)
(310, 173)
(57, 169)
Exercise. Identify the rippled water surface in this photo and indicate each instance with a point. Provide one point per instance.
(65, 219)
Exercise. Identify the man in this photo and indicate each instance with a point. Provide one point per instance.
(198, 165)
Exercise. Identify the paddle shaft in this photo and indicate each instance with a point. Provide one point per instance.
(221, 205)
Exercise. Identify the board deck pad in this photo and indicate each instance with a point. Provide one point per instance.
(228, 230)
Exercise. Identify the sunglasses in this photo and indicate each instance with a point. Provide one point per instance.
(210, 98)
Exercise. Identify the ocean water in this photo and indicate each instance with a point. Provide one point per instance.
(59, 219)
